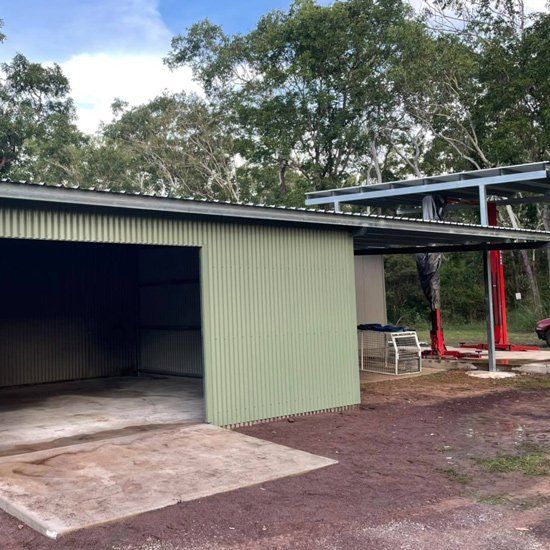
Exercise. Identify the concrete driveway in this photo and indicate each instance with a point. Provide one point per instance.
(62, 489)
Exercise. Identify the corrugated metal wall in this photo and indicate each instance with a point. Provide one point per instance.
(66, 312)
(170, 311)
(278, 305)
(370, 288)
(174, 352)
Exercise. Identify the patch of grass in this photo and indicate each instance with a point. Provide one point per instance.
(533, 462)
(496, 500)
(477, 332)
(533, 382)
(456, 476)
(517, 503)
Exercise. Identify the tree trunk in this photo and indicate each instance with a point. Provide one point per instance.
(527, 267)
(282, 178)
(376, 162)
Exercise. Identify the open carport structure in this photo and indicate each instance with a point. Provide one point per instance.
(430, 197)
(255, 303)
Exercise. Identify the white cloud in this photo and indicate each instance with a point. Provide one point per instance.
(97, 79)
(129, 66)
(125, 24)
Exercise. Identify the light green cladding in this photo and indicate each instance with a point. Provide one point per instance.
(278, 305)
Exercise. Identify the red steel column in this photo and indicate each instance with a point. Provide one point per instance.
(498, 290)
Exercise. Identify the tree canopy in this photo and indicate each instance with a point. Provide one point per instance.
(309, 89)
(36, 120)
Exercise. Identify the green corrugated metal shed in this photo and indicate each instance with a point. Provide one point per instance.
(277, 285)
(278, 304)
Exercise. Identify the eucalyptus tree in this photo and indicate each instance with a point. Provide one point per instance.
(480, 89)
(36, 120)
(308, 89)
(173, 145)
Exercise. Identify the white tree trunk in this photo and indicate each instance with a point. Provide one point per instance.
(527, 266)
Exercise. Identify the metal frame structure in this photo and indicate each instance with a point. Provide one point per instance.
(519, 184)
(506, 182)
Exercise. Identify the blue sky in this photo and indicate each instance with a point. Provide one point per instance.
(114, 48)
(58, 29)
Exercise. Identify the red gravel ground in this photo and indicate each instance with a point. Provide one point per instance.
(407, 478)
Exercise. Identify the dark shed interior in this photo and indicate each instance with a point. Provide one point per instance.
(79, 310)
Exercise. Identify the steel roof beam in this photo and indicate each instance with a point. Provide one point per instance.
(452, 248)
(538, 199)
(456, 177)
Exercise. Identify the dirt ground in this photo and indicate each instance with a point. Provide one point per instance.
(409, 477)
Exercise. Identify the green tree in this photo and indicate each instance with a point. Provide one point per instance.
(308, 88)
(172, 145)
(36, 120)
(480, 88)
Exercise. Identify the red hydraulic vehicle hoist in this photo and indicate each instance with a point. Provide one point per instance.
(519, 184)
(438, 348)
(499, 296)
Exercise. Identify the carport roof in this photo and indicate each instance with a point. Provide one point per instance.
(522, 183)
(372, 234)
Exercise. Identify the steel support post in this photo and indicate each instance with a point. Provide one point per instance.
(483, 213)
(488, 280)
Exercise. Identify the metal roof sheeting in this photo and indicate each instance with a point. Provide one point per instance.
(375, 230)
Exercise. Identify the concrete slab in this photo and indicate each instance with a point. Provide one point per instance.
(534, 368)
(56, 491)
(494, 375)
(543, 354)
(70, 412)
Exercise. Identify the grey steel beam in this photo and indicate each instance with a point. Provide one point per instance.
(483, 215)
(453, 177)
(537, 199)
(410, 235)
(488, 280)
(371, 251)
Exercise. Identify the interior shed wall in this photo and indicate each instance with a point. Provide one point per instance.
(278, 304)
(170, 311)
(67, 312)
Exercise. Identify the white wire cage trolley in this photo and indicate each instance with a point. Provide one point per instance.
(389, 352)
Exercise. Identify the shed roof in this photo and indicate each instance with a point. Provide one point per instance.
(372, 233)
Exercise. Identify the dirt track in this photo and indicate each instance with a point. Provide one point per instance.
(407, 478)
